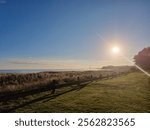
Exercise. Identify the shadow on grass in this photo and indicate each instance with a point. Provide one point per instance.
(5, 96)
(46, 97)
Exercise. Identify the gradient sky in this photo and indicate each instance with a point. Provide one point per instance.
(61, 34)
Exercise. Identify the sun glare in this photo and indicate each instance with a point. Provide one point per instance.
(115, 50)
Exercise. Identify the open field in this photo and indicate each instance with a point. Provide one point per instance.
(124, 93)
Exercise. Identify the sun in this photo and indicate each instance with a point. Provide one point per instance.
(115, 49)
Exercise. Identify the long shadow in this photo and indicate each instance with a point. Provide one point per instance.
(76, 88)
(5, 96)
(23, 93)
(48, 97)
(81, 86)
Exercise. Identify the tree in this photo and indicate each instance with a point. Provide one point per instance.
(142, 59)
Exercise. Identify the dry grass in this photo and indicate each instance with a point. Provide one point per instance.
(14, 82)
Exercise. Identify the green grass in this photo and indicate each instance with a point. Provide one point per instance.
(127, 93)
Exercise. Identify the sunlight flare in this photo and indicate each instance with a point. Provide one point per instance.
(115, 50)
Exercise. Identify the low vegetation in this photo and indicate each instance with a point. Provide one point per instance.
(15, 82)
(123, 93)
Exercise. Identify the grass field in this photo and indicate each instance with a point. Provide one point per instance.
(125, 93)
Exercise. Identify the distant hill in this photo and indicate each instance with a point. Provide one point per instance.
(111, 67)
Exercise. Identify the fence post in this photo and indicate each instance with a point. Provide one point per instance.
(78, 81)
(53, 86)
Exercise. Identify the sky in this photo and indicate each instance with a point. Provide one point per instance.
(71, 34)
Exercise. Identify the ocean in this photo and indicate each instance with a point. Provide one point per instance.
(37, 70)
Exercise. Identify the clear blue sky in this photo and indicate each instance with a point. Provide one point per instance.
(70, 33)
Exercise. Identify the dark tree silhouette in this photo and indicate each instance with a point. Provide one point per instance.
(142, 59)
